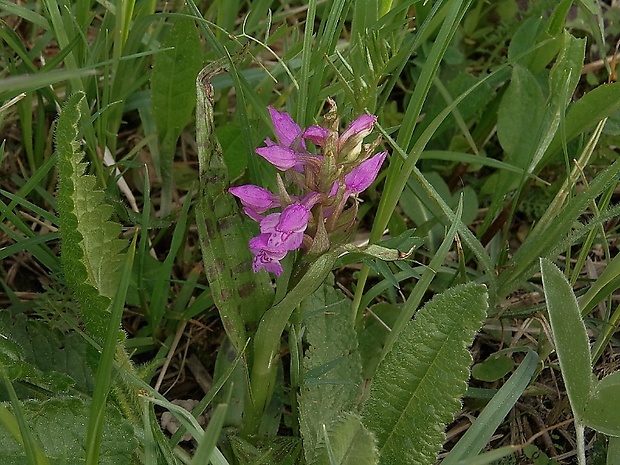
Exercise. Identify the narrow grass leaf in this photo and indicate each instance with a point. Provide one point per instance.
(418, 386)
(569, 335)
(211, 436)
(34, 453)
(111, 347)
(584, 114)
(480, 432)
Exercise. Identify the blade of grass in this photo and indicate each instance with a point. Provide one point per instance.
(414, 299)
(480, 432)
(306, 55)
(34, 452)
(206, 447)
(106, 363)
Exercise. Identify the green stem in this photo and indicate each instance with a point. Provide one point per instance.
(267, 339)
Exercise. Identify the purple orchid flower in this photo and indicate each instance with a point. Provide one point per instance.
(351, 169)
(357, 130)
(287, 131)
(290, 151)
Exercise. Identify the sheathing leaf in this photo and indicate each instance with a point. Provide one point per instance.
(91, 248)
(332, 370)
(418, 386)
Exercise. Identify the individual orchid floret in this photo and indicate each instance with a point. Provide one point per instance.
(316, 135)
(350, 141)
(286, 229)
(266, 257)
(280, 234)
(255, 200)
(363, 175)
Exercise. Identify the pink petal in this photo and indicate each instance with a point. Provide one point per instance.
(359, 128)
(268, 224)
(294, 218)
(287, 130)
(363, 175)
(316, 135)
(255, 197)
(281, 157)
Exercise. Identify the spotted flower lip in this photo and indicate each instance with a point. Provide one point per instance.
(266, 257)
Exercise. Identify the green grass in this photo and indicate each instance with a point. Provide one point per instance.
(501, 162)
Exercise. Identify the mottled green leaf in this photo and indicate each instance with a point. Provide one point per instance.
(331, 367)
(59, 425)
(240, 295)
(45, 357)
(418, 387)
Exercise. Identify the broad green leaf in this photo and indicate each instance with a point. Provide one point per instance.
(44, 357)
(418, 387)
(283, 450)
(234, 148)
(479, 434)
(601, 411)
(586, 113)
(348, 442)
(563, 80)
(521, 109)
(172, 90)
(493, 368)
(91, 248)
(613, 451)
(331, 368)
(59, 425)
(569, 335)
